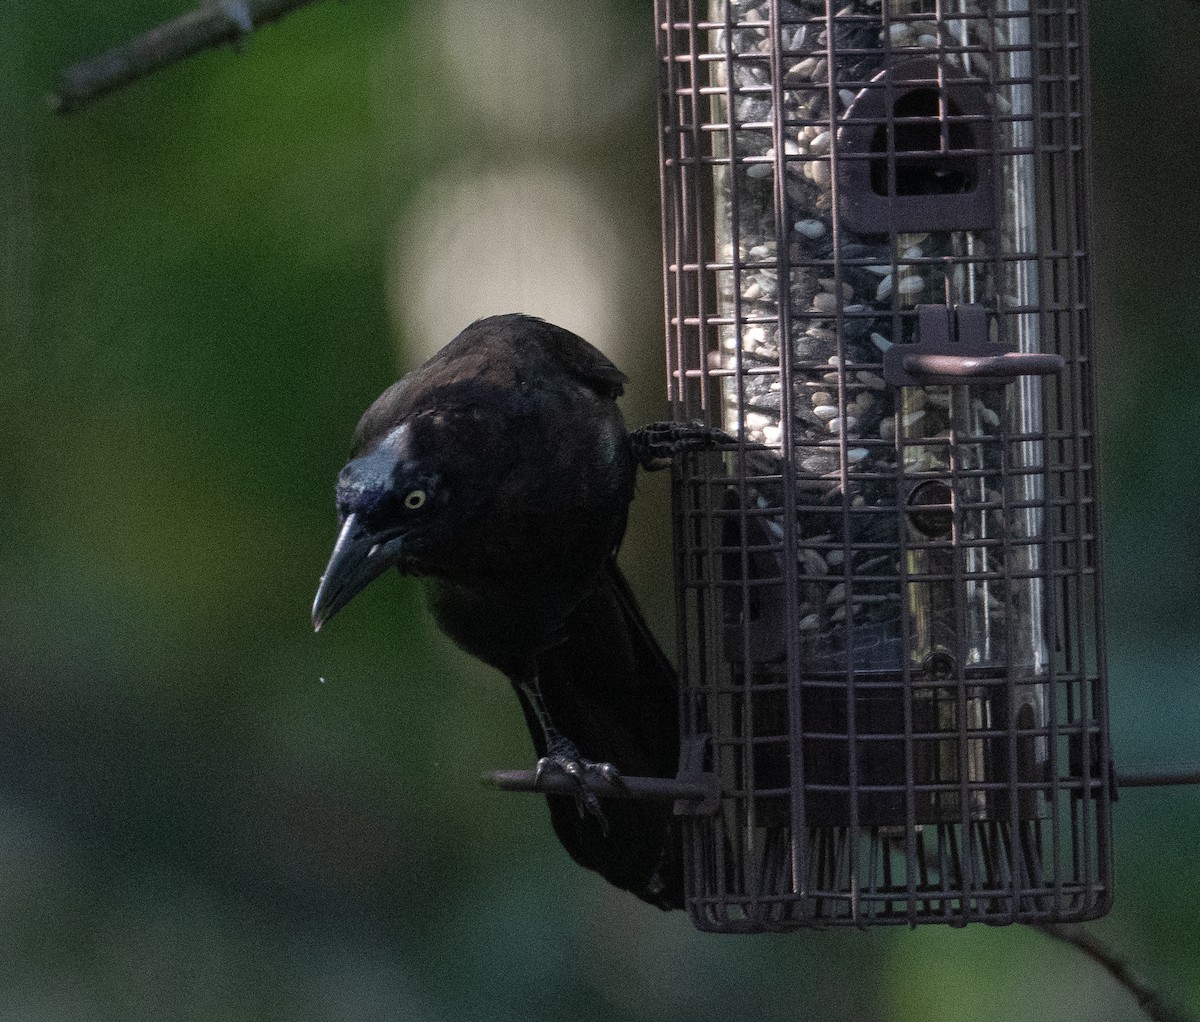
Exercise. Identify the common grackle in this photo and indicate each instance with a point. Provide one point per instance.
(500, 472)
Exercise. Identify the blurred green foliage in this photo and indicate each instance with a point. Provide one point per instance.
(206, 812)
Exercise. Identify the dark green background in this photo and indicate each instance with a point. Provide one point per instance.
(193, 312)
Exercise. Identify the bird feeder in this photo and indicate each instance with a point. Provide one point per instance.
(876, 229)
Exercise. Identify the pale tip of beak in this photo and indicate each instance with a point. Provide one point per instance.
(318, 619)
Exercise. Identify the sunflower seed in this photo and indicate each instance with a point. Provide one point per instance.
(849, 421)
(811, 229)
(825, 302)
(814, 563)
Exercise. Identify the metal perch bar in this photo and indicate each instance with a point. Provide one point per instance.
(702, 789)
(1160, 779)
(958, 367)
(705, 787)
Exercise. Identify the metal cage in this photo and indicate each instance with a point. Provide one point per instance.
(875, 219)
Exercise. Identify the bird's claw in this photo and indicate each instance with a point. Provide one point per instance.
(657, 443)
(608, 771)
(577, 768)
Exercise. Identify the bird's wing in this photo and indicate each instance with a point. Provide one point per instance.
(655, 667)
(585, 362)
(609, 686)
(612, 691)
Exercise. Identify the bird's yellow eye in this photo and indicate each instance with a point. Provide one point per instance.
(414, 499)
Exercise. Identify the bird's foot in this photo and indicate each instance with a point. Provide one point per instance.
(563, 756)
(657, 443)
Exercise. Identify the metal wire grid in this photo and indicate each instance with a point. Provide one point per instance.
(889, 621)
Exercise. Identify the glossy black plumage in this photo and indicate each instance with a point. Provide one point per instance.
(501, 473)
(610, 689)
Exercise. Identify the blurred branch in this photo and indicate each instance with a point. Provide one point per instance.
(209, 25)
(1148, 999)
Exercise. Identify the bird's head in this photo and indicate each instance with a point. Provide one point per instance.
(393, 503)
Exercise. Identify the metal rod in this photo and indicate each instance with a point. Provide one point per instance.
(1158, 780)
(977, 367)
(699, 790)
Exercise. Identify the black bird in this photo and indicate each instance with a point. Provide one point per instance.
(500, 473)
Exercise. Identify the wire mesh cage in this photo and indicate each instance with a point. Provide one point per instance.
(890, 632)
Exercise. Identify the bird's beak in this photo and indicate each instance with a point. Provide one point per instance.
(358, 558)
